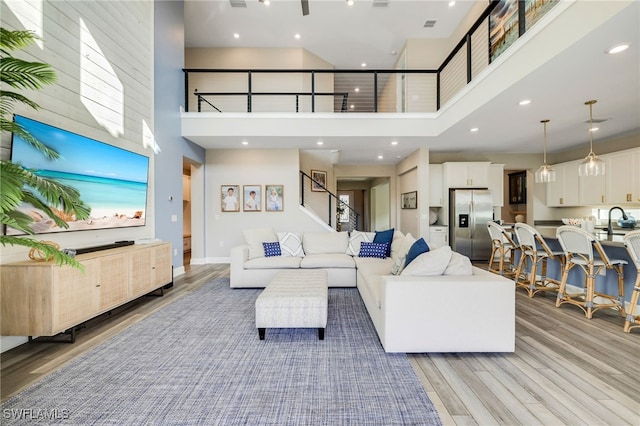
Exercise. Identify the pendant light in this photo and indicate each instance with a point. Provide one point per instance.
(591, 165)
(545, 173)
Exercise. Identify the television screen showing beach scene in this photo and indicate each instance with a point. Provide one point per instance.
(112, 181)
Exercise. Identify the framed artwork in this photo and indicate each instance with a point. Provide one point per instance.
(410, 200)
(229, 195)
(274, 198)
(318, 180)
(518, 188)
(252, 198)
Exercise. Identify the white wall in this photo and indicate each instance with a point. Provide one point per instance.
(250, 167)
(82, 40)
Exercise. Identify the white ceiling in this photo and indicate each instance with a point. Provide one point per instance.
(348, 36)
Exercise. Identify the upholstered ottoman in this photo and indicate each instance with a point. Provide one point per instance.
(294, 299)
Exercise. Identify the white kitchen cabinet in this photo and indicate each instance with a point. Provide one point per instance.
(466, 174)
(436, 188)
(439, 236)
(496, 184)
(592, 190)
(565, 191)
(622, 176)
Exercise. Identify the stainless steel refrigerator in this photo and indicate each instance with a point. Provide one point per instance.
(469, 212)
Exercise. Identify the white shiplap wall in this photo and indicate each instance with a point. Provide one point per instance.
(119, 39)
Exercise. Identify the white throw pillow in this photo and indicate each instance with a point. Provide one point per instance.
(290, 244)
(459, 265)
(254, 239)
(398, 265)
(356, 238)
(401, 246)
(433, 262)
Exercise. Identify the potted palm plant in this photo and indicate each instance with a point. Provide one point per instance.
(17, 183)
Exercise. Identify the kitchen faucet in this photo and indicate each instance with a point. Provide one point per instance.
(624, 216)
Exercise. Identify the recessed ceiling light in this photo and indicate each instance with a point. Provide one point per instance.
(297, 36)
(349, 2)
(319, 143)
(363, 65)
(352, 106)
(380, 157)
(394, 142)
(618, 48)
(452, 3)
(474, 129)
(236, 35)
(594, 129)
(524, 102)
(357, 89)
(245, 143)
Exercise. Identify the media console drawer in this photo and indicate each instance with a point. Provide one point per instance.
(44, 299)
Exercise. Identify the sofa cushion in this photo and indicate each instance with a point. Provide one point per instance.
(417, 248)
(384, 237)
(357, 237)
(325, 242)
(278, 262)
(458, 265)
(272, 249)
(433, 262)
(378, 250)
(327, 260)
(254, 239)
(373, 266)
(290, 244)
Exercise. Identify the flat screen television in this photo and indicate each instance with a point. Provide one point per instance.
(111, 180)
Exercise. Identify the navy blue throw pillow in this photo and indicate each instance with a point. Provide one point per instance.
(384, 237)
(416, 250)
(272, 249)
(378, 250)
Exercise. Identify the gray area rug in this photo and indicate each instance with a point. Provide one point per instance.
(199, 361)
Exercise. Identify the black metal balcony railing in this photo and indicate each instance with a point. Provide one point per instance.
(335, 212)
(344, 91)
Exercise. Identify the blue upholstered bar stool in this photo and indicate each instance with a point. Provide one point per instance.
(535, 252)
(580, 248)
(502, 250)
(632, 243)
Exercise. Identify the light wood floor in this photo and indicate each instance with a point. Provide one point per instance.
(566, 369)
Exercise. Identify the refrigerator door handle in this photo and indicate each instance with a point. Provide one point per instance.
(472, 220)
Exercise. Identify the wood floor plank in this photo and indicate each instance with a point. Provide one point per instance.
(566, 369)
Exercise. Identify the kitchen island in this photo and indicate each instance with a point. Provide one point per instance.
(613, 246)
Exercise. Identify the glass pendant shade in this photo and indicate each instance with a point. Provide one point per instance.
(545, 173)
(591, 165)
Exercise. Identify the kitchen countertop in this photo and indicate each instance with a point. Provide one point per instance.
(616, 240)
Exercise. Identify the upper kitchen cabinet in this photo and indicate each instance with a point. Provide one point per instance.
(435, 185)
(564, 192)
(466, 175)
(593, 189)
(622, 176)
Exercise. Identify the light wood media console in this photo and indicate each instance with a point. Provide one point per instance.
(44, 299)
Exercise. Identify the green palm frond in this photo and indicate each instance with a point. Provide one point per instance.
(19, 185)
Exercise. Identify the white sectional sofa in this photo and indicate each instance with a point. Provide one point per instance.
(438, 303)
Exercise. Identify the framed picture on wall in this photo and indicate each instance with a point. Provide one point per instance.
(229, 198)
(410, 200)
(274, 198)
(252, 198)
(318, 180)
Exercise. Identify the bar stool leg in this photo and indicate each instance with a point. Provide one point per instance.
(590, 287)
(620, 270)
(632, 307)
(563, 284)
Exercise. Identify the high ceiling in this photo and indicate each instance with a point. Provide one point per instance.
(347, 36)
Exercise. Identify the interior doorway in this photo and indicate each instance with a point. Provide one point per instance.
(192, 212)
